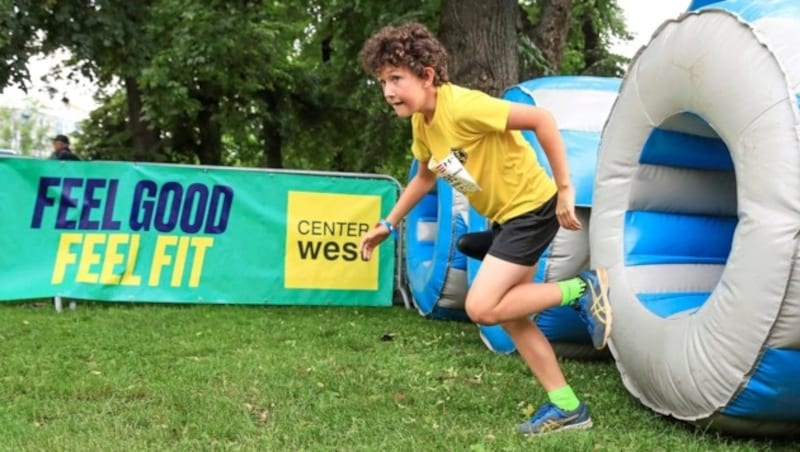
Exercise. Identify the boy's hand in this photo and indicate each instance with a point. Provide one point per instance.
(373, 238)
(565, 209)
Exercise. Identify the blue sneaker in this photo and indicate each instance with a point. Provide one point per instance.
(549, 418)
(593, 306)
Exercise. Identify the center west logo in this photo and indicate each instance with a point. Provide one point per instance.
(323, 231)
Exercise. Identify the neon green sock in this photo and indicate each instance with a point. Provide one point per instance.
(571, 290)
(564, 399)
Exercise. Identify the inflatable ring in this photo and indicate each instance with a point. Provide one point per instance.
(697, 217)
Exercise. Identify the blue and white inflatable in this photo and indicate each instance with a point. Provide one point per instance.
(581, 106)
(437, 271)
(697, 217)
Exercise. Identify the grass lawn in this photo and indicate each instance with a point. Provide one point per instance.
(113, 377)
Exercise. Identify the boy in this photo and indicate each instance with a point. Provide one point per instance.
(473, 141)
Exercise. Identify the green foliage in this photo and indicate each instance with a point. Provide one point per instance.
(600, 20)
(228, 52)
(19, 22)
(104, 36)
(105, 135)
(595, 25)
(358, 131)
(253, 83)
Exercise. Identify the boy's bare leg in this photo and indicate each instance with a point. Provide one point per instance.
(502, 292)
(536, 351)
(497, 279)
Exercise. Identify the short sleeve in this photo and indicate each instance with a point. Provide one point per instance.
(419, 152)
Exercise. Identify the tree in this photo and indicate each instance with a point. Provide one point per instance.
(595, 23)
(580, 40)
(551, 32)
(353, 128)
(486, 41)
(278, 83)
(19, 23)
(481, 41)
(107, 44)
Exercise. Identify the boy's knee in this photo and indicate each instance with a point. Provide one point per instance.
(480, 313)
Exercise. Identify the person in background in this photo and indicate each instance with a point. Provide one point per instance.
(61, 150)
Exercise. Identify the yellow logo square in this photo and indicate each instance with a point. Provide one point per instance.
(323, 231)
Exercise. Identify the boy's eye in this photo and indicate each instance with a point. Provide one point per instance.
(395, 78)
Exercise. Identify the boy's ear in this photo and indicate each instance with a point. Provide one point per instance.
(429, 74)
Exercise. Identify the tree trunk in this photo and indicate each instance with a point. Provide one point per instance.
(209, 150)
(480, 37)
(552, 31)
(145, 140)
(271, 132)
(273, 144)
(592, 50)
(183, 139)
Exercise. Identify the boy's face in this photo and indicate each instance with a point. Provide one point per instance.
(406, 92)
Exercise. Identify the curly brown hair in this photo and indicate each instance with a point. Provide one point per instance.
(409, 45)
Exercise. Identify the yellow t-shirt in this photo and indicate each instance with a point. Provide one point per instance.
(467, 143)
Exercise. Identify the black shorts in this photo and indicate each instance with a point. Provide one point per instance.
(522, 239)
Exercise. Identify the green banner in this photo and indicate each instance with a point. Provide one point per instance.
(119, 231)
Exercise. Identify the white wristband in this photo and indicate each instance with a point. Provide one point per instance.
(388, 226)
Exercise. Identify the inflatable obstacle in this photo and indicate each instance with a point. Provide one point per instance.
(696, 215)
(436, 270)
(581, 106)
